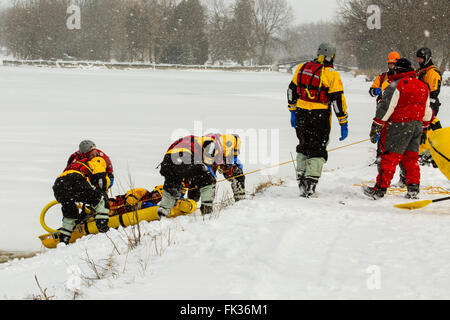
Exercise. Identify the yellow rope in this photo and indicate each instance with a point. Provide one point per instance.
(397, 190)
(255, 171)
(286, 162)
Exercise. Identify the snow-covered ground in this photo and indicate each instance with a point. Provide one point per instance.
(339, 245)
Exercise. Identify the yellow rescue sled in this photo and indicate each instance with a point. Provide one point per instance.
(51, 239)
(439, 141)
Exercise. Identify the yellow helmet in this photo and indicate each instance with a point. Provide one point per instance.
(133, 196)
(231, 144)
(97, 165)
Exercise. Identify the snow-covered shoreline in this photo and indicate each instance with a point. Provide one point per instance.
(276, 246)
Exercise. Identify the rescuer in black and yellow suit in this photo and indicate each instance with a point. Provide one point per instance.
(431, 76)
(84, 181)
(315, 89)
(189, 159)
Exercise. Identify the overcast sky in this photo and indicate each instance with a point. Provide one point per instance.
(313, 10)
(304, 10)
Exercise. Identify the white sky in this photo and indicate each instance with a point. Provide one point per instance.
(313, 10)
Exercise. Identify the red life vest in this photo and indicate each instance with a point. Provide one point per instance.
(80, 166)
(308, 79)
(193, 146)
(77, 156)
(411, 104)
(189, 143)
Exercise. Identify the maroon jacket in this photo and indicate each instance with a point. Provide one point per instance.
(78, 156)
(406, 99)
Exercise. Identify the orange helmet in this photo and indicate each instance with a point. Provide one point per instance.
(393, 56)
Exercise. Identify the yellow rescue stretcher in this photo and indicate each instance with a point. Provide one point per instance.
(51, 239)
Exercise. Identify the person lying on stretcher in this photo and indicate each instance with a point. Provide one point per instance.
(135, 199)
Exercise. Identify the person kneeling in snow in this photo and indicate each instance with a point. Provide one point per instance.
(88, 150)
(401, 121)
(80, 183)
(189, 159)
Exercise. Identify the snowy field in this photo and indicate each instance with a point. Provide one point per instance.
(339, 245)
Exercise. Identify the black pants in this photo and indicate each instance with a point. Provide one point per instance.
(196, 175)
(73, 188)
(313, 132)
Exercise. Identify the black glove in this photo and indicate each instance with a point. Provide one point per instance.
(375, 132)
(102, 225)
(423, 138)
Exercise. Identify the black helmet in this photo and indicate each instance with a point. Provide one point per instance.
(86, 146)
(424, 53)
(403, 65)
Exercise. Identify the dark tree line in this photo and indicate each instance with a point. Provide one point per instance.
(160, 31)
(406, 26)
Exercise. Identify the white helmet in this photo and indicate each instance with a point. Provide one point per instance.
(86, 146)
(327, 50)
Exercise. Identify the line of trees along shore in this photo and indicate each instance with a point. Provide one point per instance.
(238, 31)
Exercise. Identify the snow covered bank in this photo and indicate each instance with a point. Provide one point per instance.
(276, 246)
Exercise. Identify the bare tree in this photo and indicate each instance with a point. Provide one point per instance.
(406, 26)
(242, 31)
(303, 40)
(271, 19)
(218, 30)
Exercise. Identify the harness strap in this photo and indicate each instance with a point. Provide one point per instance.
(309, 86)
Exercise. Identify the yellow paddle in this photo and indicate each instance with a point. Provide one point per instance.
(419, 204)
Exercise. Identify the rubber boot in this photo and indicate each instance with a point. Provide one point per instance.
(65, 233)
(168, 201)
(207, 195)
(308, 188)
(101, 216)
(301, 168)
(238, 190)
(413, 191)
(375, 193)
